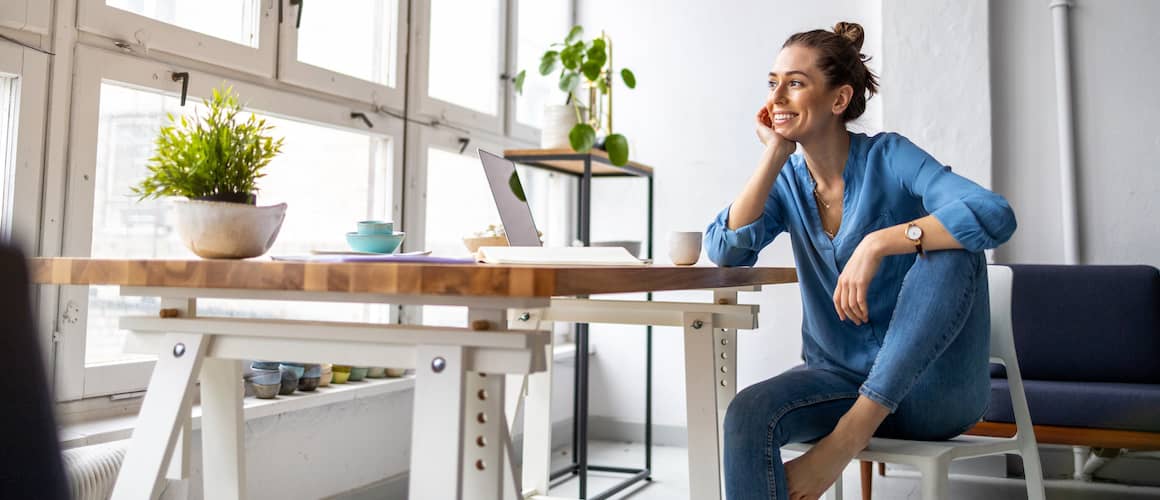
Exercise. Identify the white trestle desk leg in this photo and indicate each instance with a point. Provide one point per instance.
(437, 433)
(484, 447)
(159, 420)
(725, 357)
(701, 386)
(179, 461)
(537, 447)
(222, 429)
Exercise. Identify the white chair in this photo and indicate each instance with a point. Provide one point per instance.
(932, 458)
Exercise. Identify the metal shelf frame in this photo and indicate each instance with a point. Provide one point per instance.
(579, 467)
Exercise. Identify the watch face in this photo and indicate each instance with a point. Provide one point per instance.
(914, 232)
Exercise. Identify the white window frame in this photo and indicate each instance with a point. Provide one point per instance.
(30, 67)
(291, 70)
(514, 128)
(94, 65)
(34, 16)
(430, 108)
(94, 16)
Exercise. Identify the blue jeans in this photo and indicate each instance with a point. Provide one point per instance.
(931, 371)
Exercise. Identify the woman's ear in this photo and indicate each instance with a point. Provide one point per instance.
(842, 99)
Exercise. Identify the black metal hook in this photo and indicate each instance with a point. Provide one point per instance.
(463, 142)
(184, 77)
(357, 114)
(300, 4)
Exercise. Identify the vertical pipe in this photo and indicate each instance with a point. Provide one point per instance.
(1063, 96)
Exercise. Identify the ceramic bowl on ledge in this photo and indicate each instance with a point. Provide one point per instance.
(217, 230)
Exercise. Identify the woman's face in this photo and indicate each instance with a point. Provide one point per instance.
(800, 102)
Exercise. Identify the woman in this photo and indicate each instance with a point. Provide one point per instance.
(896, 345)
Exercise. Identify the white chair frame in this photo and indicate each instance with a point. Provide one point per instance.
(933, 458)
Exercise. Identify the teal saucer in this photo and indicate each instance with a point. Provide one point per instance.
(374, 243)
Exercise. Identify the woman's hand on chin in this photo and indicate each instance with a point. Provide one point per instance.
(854, 282)
(771, 139)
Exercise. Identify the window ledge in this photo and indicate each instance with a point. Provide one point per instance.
(112, 428)
(105, 429)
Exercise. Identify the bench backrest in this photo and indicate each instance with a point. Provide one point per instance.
(1087, 323)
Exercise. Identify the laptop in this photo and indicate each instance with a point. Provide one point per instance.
(510, 200)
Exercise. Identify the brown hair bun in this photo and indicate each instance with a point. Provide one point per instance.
(840, 59)
(851, 32)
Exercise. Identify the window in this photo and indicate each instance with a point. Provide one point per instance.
(539, 23)
(311, 82)
(330, 176)
(354, 49)
(239, 34)
(231, 20)
(23, 97)
(456, 201)
(8, 97)
(460, 60)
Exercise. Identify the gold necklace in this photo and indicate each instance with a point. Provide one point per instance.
(818, 197)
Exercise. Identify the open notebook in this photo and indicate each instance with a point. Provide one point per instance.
(569, 256)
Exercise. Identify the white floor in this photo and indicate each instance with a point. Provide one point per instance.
(670, 480)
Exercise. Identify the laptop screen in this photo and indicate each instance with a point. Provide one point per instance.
(510, 200)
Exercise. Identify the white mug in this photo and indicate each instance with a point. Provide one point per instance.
(685, 247)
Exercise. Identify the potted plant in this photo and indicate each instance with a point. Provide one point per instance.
(588, 62)
(215, 161)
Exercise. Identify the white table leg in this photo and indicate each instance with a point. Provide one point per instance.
(537, 447)
(437, 434)
(158, 423)
(179, 461)
(486, 443)
(222, 429)
(704, 409)
(725, 357)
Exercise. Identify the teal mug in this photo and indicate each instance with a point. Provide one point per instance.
(376, 227)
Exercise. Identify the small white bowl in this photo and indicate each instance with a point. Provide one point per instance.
(217, 230)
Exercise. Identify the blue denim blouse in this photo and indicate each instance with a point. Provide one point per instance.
(888, 181)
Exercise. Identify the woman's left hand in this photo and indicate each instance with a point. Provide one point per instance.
(854, 282)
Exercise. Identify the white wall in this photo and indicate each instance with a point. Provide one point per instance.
(317, 452)
(701, 76)
(935, 82)
(1115, 72)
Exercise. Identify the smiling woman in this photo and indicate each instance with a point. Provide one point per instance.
(882, 354)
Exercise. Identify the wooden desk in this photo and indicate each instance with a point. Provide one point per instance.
(461, 416)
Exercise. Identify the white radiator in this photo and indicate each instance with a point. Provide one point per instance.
(92, 470)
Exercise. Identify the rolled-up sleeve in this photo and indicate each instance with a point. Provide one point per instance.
(739, 247)
(976, 217)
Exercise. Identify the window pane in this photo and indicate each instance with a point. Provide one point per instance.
(465, 46)
(330, 178)
(459, 203)
(232, 20)
(354, 37)
(8, 126)
(541, 23)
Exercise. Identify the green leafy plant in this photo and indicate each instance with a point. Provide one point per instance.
(592, 61)
(216, 156)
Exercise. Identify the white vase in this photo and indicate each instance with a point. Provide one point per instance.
(217, 230)
(557, 123)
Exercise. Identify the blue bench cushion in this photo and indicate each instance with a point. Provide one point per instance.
(1087, 323)
(1102, 405)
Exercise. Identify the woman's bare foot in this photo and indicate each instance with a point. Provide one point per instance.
(810, 475)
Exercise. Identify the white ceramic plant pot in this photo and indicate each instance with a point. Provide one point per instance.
(217, 230)
(557, 123)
